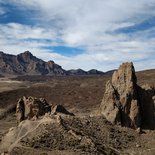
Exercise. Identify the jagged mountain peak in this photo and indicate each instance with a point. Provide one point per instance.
(50, 62)
(27, 53)
(27, 56)
(27, 64)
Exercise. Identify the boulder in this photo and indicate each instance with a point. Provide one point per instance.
(60, 109)
(126, 103)
(31, 108)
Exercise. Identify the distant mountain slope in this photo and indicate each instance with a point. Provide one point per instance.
(27, 64)
(82, 72)
(76, 72)
(95, 72)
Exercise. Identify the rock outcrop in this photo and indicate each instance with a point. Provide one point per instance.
(31, 108)
(27, 64)
(125, 102)
(60, 109)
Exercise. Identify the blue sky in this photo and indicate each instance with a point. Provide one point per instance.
(83, 34)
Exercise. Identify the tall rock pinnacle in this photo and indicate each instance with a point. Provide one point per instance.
(126, 103)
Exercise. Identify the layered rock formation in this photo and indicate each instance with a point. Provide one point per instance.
(125, 102)
(31, 108)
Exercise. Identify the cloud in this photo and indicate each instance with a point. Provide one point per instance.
(87, 24)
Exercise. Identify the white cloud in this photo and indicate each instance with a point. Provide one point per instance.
(87, 24)
(19, 31)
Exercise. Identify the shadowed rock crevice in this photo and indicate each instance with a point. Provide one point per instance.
(147, 99)
(125, 102)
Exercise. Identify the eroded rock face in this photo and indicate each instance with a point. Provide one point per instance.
(126, 103)
(31, 108)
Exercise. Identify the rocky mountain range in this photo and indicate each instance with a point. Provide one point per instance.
(27, 64)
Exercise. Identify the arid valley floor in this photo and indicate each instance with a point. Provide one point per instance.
(81, 95)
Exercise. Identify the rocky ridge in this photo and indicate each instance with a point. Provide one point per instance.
(31, 108)
(64, 134)
(27, 64)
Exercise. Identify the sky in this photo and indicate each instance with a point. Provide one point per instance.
(86, 34)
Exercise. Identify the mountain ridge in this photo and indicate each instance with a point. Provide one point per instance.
(27, 64)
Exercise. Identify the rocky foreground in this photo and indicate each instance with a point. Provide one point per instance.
(44, 129)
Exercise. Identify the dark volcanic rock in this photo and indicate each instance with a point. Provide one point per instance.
(125, 102)
(95, 72)
(110, 72)
(76, 72)
(1, 76)
(26, 63)
(60, 109)
(147, 99)
(82, 72)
